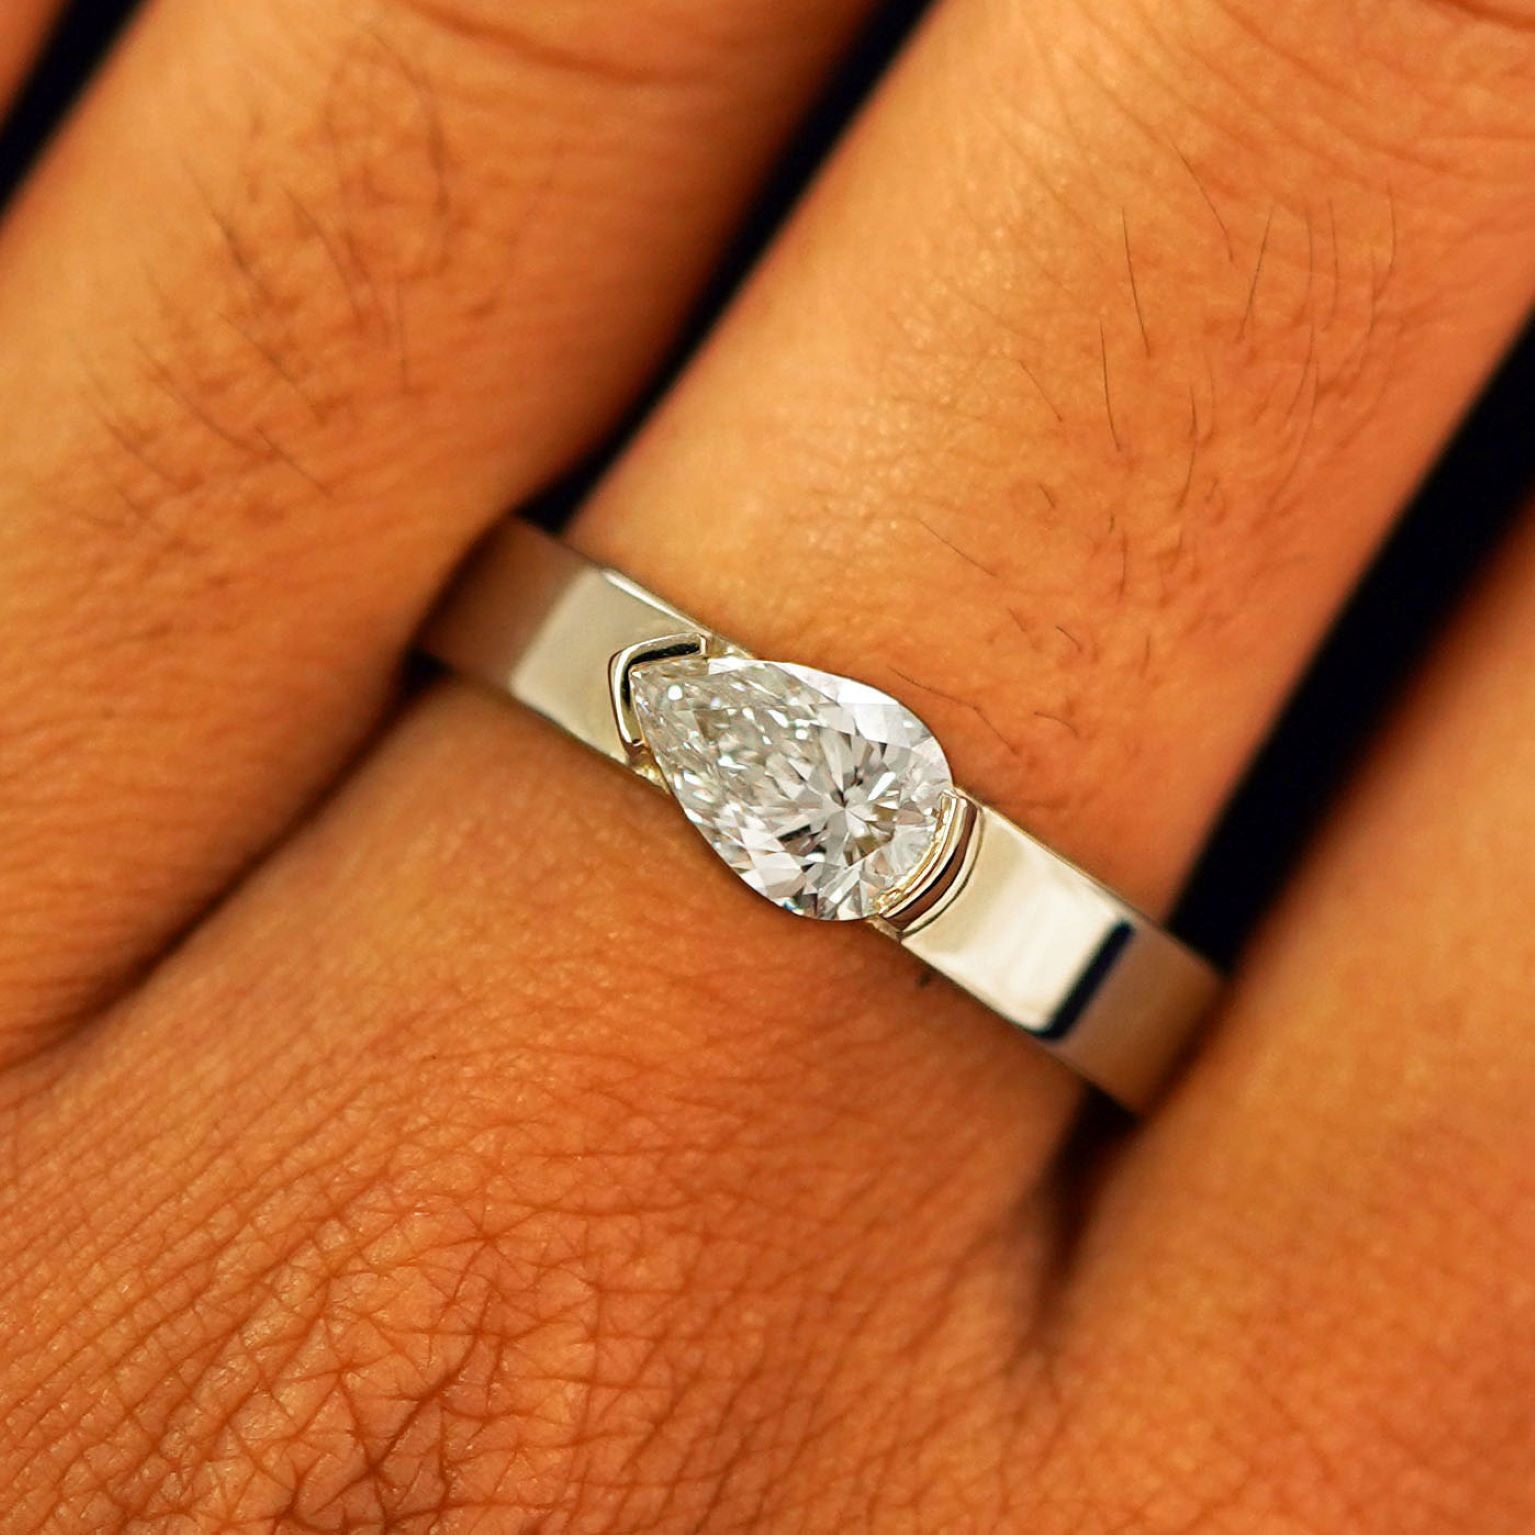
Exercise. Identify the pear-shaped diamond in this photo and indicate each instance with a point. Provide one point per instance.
(822, 793)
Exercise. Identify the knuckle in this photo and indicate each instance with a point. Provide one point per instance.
(468, 1319)
(407, 1363)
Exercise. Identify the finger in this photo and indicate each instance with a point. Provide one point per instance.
(1345, 1180)
(304, 296)
(21, 30)
(1073, 424)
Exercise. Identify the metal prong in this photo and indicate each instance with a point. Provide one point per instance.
(940, 875)
(665, 647)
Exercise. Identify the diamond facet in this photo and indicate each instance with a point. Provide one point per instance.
(822, 793)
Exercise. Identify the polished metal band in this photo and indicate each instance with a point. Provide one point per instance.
(1091, 979)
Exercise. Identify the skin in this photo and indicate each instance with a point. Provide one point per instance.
(391, 1145)
(25, 24)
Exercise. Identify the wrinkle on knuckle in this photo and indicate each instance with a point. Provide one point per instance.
(487, 1319)
(384, 1372)
(468, 1280)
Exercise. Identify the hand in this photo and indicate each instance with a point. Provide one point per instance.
(408, 1126)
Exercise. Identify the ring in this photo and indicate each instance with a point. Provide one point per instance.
(832, 800)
